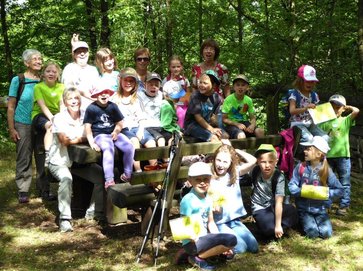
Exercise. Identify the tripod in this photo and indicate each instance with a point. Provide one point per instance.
(160, 204)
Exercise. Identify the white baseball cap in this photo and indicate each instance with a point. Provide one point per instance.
(307, 73)
(79, 44)
(319, 143)
(199, 169)
(338, 99)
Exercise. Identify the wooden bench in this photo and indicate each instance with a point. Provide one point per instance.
(139, 193)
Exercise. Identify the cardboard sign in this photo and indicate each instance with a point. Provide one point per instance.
(322, 113)
(186, 227)
(315, 192)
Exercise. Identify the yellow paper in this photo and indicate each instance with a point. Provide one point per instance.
(315, 192)
(322, 113)
(186, 227)
(217, 197)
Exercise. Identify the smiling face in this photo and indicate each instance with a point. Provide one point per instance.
(109, 64)
(175, 68)
(205, 86)
(308, 86)
(81, 56)
(152, 87)
(34, 63)
(142, 62)
(209, 53)
(200, 184)
(128, 85)
(51, 74)
(72, 101)
(267, 162)
(103, 99)
(222, 163)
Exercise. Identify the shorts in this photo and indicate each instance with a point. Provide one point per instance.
(156, 132)
(39, 122)
(233, 131)
(197, 131)
(131, 133)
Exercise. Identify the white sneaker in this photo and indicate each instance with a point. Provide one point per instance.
(65, 226)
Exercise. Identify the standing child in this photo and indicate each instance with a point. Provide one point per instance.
(315, 175)
(228, 165)
(210, 242)
(103, 124)
(47, 102)
(239, 114)
(339, 154)
(176, 75)
(107, 67)
(201, 117)
(272, 216)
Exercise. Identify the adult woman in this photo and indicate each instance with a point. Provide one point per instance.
(209, 51)
(142, 61)
(19, 120)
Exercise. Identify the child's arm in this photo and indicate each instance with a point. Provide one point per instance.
(335, 187)
(117, 130)
(227, 121)
(249, 163)
(294, 183)
(212, 227)
(91, 141)
(355, 111)
(202, 122)
(251, 128)
(66, 141)
(296, 111)
(45, 109)
(278, 216)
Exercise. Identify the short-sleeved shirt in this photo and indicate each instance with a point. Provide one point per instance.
(64, 123)
(181, 80)
(304, 117)
(206, 106)
(238, 110)
(193, 204)
(152, 107)
(51, 96)
(338, 130)
(25, 104)
(133, 111)
(109, 81)
(102, 119)
(262, 196)
(168, 117)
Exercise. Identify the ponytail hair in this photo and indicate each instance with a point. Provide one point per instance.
(324, 171)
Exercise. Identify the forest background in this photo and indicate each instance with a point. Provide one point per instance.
(265, 39)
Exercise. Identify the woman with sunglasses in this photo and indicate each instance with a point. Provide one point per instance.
(142, 61)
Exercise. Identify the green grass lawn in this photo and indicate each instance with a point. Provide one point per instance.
(30, 240)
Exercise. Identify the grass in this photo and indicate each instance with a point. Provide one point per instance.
(29, 240)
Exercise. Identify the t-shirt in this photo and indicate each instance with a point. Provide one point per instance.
(302, 118)
(109, 81)
(64, 123)
(262, 196)
(102, 119)
(206, 106)
(193, 204)
(238, 110)
(52, 96)
(25, 104)
(152, 107)
(168, 117)
(181, 80)
(229, 197)
(338, 130)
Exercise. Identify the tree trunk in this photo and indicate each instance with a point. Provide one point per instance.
(91, 24)
(200, 24)
(240, 35)
(169, 30)
(105, 24)
(7, 51)
(360, 35)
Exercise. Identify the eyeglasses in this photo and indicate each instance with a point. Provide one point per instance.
(141, 59)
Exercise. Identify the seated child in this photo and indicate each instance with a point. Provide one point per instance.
(316, 175)
(339, 154)
(201, 117)
(210, 242)
(239, 112)
(272, 216)
(103, 124)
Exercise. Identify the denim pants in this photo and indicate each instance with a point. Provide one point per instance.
(245, 239)
(107, 145)
(316, 225)
(342, 166)
(63, 174)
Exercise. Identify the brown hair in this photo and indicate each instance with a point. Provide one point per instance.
(132, 73)
(101, 56)
(210, 43)
(141, 51)
(298, 83)
(235, 160)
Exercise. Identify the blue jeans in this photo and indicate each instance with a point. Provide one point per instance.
(316, 225)
(342, 166)
(245, 239)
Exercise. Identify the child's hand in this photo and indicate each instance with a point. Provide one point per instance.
(217, 132)
(251, 128)
(114, 135)
(95, 147)
(241, 126)
(75, 38)
(279, 232)
(140, 133)
(311, 106)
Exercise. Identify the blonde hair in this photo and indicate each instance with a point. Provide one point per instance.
(101, 56)
(235, 160)
(141, 51)
(324, 170)
(68, 91)
(57, 67)
(133, 74)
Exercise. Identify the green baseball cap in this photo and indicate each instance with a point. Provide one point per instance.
(263, 148)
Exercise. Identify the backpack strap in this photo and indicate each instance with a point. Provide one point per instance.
(302, 167)
(21, 87)
(274, 180)
(298, 98)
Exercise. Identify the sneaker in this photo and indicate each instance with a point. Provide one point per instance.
(109, 183)
(23, 197)
(342, 211)
(48, 196)
(65, 226)
(181, 257)
(200, 263)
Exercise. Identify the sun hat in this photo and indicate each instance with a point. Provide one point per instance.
(129, 72)
(307, 73)
(173, 89)
(152, 75)
(338, 99)
(79, 44)
(318, 142)
(102, 91)
(199, 169)
(264, 148)
(213, 76)
(241, 77)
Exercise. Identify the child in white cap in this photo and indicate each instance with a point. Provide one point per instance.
(339, 154)
(209, 242)
(315, 176)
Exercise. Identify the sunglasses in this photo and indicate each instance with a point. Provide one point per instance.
(141, 59)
